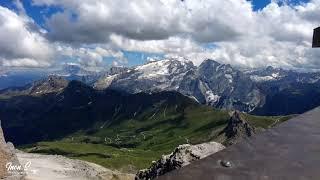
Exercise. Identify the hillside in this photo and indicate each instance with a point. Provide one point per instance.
(111, 128)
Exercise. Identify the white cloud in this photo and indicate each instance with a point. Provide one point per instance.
(94, 20)
(19, 44)
(281, 36)
(174, 45)
(276, 35)
(23, 62)
(90, 30)
(89, 56)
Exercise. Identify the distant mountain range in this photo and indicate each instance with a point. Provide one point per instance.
(211, 83)
(282, 76)
(22, 77)
(269, 91)
(76, 72)
(222, 86)
(286, 91)
(18, 78)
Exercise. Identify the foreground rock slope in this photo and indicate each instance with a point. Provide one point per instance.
(8, 156)
(181, 156)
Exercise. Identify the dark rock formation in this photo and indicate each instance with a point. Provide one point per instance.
(181, 156)
(237, 129)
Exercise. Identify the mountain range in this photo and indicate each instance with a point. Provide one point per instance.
(286, 91)
(211, 83)
(72, 71)
(16, 78)
(269, 91)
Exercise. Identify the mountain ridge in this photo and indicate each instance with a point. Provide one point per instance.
(197, 82)
(211, 83)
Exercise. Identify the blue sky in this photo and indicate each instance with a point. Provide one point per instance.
(134, 41)
(37, 13)
(259, 4)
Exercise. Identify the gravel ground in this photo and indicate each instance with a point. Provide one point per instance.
(54, 167)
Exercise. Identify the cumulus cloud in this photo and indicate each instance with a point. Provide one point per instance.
(173, 45)
(278, 35)
(90, 30)
(19, 44)
(89, 56)
(281, 37)
(91, 21)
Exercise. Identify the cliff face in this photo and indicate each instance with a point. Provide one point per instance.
(3, 155)
(7, 155)
(4, 160)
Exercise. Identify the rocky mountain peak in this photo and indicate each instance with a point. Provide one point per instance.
(209, 63)
(238, 128)
(211, 68)
(51, 84)
(116, 70)
(269, 68)
(268, 74)
(48, 85)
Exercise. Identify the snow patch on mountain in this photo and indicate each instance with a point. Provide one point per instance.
(153, 69)
(229, 77)
(257, 78)
(106, 81)
(212, 98)
(272, 77)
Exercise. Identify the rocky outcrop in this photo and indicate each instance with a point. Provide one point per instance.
(51, 84)
(181, 156)
(48, 85)
(237, 129)
(8, 156)
(3, 156)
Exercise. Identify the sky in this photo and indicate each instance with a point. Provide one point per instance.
(99, 33)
